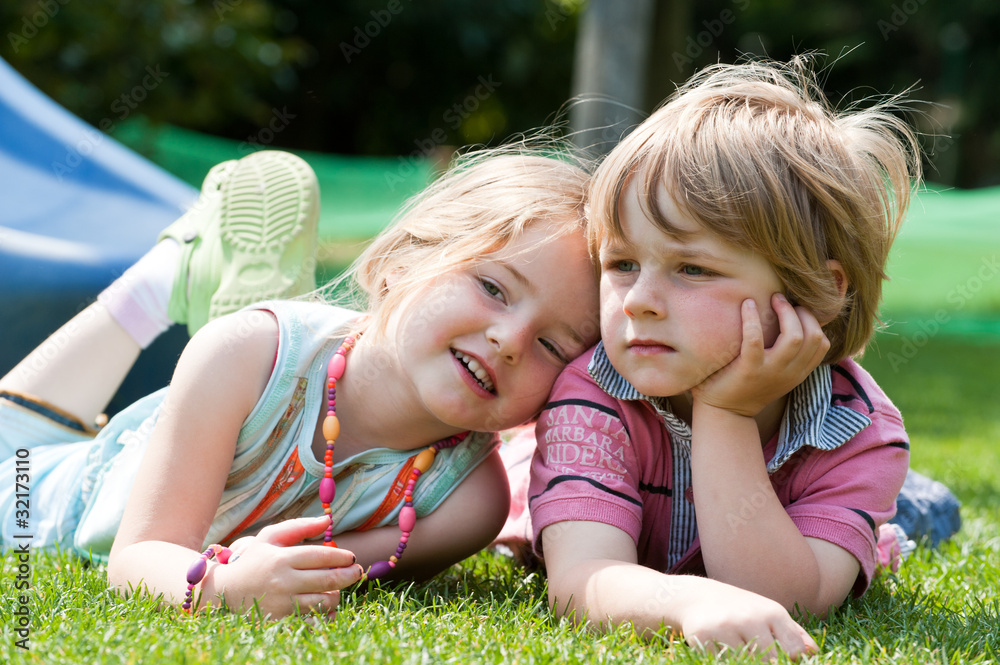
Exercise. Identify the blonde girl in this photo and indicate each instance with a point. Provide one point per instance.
(477, 297)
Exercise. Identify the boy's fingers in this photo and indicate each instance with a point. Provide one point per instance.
(794, 640)
(752, 348)
(790, 334)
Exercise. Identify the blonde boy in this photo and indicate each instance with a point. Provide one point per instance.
(719, 459)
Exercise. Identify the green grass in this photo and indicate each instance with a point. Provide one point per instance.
(942, 606)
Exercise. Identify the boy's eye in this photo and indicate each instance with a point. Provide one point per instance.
(622, 265)
(693, 270)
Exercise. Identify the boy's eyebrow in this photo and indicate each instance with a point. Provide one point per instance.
(681, 250)
(688, 252)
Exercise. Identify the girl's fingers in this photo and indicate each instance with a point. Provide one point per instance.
(326, 579)
(317, 603)
(318, 557)
(292, 532)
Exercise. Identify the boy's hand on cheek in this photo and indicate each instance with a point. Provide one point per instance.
(759, 375)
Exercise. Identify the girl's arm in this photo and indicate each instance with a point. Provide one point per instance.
(465, 522)
(219, 378)
(759, 548)
(594, 576)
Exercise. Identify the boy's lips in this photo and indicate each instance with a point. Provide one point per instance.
(648, 346)
(477, 370)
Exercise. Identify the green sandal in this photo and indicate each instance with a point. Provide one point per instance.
(251, 236)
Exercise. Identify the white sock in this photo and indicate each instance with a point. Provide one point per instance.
(138, 299)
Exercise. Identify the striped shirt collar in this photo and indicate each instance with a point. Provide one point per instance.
(809, 420)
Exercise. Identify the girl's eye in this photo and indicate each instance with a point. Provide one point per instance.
(553, 349)
(492, 289)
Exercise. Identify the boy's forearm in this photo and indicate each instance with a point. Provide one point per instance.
(609, 593)
(747, 538)
(707, 613)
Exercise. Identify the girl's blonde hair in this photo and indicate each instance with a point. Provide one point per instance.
(483, 202)
(756, 154)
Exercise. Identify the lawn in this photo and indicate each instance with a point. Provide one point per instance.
(942, 607)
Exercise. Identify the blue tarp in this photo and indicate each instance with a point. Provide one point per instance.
(76, 209)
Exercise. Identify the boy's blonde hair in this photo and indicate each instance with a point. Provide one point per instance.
(482, 203)
(756, 154)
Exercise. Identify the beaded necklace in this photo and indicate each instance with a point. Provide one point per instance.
(328, 486)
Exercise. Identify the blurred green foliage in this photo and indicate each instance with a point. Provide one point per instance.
(398, 77)
(355, 76)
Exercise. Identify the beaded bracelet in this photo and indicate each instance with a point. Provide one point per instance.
(196, 573)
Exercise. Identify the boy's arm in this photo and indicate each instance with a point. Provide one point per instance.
(747, 537)
(594, 576)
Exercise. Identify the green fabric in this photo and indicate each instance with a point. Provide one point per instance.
(945, 265)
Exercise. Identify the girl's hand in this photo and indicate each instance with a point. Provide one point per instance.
(758, 375)
(724, 616)
(284, 579)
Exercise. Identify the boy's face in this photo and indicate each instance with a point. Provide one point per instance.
(670, 308)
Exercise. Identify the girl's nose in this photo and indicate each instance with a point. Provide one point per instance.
(510, 338)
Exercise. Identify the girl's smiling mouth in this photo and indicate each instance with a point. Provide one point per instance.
(477, 370)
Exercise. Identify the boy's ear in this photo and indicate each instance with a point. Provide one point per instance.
(839, 276)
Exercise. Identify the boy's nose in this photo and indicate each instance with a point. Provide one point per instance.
(644, 299)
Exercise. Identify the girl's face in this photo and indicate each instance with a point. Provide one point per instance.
(483, 346)
(671, 307)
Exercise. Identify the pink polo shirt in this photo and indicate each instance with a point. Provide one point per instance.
(608, 454)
